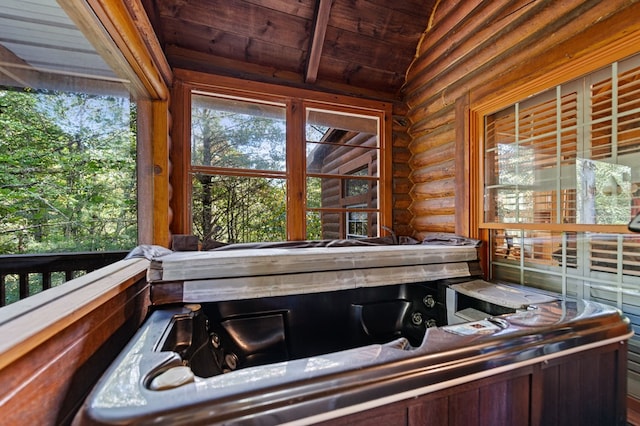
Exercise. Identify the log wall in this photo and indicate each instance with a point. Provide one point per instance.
(473, 51)
(339, 160)
(401, 171)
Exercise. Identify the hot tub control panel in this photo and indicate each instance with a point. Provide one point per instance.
(475, 300)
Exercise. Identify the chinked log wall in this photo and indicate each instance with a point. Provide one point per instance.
(401, 172)
(472, 51)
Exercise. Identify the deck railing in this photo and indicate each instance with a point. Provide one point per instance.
(22, 275)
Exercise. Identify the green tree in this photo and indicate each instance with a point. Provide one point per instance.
(68, 176)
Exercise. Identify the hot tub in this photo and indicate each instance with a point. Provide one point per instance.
(274, 353)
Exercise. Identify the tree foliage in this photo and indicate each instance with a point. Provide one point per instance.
(236, 209)
(67, 181)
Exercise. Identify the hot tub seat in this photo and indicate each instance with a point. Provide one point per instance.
(254, 332)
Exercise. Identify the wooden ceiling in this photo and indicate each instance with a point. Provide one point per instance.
(360, 47)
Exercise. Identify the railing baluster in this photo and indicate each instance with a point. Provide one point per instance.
(3, 289)
(46, 280)
(48, 267)
(24, 286)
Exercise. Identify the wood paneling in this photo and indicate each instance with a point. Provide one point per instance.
(572, 393)
(180, 159)
(480, 50)
(587, 388)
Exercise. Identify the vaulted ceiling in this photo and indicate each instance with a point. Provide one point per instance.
(357, 46)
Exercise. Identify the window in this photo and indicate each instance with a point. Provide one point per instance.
(562, 157)
(562, 170)
(561, 182)
(238, 160)
(252, 153)
(357, 223)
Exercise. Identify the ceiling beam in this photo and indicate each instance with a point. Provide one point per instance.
(15, 75)
(318, 32)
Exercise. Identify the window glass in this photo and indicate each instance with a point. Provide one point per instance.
(235, 209)
(237, 134)
(243, 172)
(354, 187)
(233, 143)
(546, 162)
(357, 223)
(568, 156)
(342, 173)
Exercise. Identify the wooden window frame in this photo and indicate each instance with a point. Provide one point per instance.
(347, 221)
(296, 100)
(351, 168)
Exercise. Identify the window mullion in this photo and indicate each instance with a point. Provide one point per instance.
(619, 269)
(558, 182)
(517, 165)
(296, 171)
(614, 112)
(565, 246)
(584, 124)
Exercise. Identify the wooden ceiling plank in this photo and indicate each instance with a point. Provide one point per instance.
(359, 75)
(242, 19)
(380, 22)
(360, 48)
(300, 8)
(317, 39)
(219, 43)
(408, 7)
(365, 46)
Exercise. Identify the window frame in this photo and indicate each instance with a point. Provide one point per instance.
(296, 101)
(359, 203)
(537, 124)
(348, 220)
